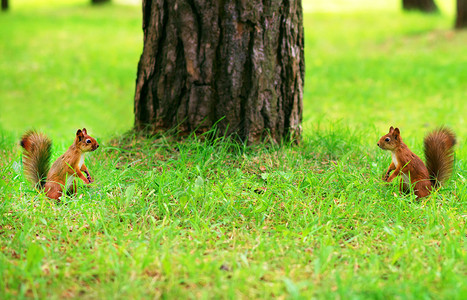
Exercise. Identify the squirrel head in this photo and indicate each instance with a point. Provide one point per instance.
(84, 142)
(390, 141)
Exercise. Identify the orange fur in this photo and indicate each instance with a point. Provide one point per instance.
(66, 167)
(413, 171)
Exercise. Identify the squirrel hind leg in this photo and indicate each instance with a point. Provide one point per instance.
(422, 188)
(53, 190)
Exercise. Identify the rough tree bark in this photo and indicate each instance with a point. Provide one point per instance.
(4, 4)
(461, 18)
(237, 61)
(428, 6)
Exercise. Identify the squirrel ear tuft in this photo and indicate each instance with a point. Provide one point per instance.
(391, 129)
(397, 133)
(84, 130)
(79, 134)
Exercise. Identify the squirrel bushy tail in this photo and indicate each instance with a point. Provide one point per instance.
(439, 154)
(36, 157)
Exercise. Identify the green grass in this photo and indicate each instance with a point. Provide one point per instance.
(62, 69)
(202, 218)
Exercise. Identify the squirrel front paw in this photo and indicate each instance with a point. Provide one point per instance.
(88, 177)
(386, 177)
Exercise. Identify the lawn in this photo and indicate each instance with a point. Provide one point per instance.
(203, 218)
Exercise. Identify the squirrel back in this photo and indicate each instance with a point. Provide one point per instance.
(36, 157)
(439, 154)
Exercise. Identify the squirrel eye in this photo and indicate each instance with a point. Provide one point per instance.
(88, 141)
(387, 139)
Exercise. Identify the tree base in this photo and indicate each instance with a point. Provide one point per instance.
(235, 65)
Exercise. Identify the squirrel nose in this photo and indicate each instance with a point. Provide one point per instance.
(377, 144)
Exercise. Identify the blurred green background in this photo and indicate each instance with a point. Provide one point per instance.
(68, 64)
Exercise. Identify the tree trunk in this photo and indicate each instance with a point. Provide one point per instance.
(238, 64)
(4, 4)
(428, 6)
(461, 18)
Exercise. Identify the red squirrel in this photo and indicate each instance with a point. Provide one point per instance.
(439, 156)
(54, 179)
